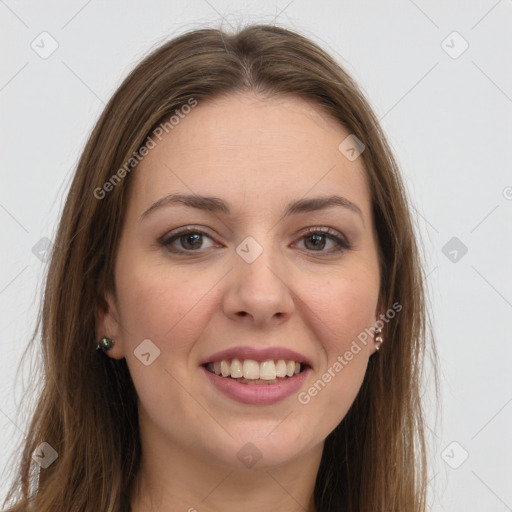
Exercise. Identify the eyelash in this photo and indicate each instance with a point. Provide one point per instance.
(329, 233)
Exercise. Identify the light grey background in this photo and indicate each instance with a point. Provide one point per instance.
(447, 117)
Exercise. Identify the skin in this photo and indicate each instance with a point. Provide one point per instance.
(257, 154)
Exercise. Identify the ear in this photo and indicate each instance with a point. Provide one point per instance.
(107, 325)
(378, 338)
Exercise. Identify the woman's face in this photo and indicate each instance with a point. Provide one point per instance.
(270, 274)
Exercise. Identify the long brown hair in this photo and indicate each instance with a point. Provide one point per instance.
(375, 459)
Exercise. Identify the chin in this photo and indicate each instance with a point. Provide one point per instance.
(265, 447)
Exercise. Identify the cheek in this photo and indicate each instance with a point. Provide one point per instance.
(342, 310)
(170, 308)
(345, 307)
(354, 313)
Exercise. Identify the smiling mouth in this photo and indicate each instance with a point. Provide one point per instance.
(248, 371)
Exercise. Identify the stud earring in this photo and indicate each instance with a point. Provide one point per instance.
(105, 344)
(378, 338)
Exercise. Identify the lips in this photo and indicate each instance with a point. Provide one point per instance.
(263, 394)
(255, 376)
(258, 355)
(251, 366)
(250, 371)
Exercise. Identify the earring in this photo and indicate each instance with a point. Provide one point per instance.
(105, 344)
(378, 338)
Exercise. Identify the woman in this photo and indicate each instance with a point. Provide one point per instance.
(235, 248)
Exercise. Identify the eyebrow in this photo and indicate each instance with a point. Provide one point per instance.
(216, 205)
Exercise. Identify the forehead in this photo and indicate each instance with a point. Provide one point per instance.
(272, 149)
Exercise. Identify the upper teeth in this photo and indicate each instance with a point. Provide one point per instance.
(250, 369)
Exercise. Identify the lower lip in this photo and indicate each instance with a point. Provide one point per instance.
(257, 394)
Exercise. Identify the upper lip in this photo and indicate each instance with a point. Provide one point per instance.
(260, 355)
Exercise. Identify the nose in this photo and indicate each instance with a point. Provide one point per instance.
(258, 293)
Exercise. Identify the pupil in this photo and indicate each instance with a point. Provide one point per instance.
(318, 241)
(190, 241)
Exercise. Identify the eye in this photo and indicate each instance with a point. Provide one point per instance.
(186, 240)
(317, 239)
(324, 240)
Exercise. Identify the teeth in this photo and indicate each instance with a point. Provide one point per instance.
(224, 369)
(236, 369)
(250, 370)
(281, 368)
(268, 370)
